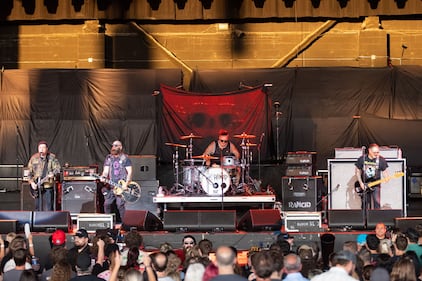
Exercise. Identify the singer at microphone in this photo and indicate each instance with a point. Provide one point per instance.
(369, 168)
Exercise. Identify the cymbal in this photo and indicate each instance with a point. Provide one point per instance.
(205, 157)
(190, 136)
(245, 136)
(175, 144)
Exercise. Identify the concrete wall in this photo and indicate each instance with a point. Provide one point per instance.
(92, 44)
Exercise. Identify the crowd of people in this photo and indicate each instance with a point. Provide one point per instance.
(379, 256)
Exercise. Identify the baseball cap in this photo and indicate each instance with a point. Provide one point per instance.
(83, 261)
(58, 237)
(81, 233)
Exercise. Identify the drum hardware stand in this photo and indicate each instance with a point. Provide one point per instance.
(277, 136)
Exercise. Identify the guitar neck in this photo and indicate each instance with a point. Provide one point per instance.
(377, 182)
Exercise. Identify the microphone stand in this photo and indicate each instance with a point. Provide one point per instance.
(259, 156)
(364, 192)
(222, 177)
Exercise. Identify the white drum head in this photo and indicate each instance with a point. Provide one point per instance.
(212, 181)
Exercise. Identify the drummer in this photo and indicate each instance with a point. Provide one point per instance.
(220, 148)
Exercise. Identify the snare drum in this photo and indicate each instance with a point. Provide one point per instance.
(213, 179)
(229, 162)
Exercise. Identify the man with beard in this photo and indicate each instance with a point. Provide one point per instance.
(117, 167)
(81, 246)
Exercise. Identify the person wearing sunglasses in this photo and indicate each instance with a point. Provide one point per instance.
(220, 148)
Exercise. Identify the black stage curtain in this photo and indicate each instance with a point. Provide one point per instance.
(80, 112)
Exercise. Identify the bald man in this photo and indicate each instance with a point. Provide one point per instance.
(226, 258)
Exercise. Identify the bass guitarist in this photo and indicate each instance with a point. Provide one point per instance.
(117, 168)
(43, 167)
(369, 168)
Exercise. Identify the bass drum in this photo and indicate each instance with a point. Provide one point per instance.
(215, 181)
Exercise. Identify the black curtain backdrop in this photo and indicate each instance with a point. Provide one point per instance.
(80, 112)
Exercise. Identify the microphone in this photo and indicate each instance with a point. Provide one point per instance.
(337, 187)
(262, 137)
(305, 187)
(88, 189)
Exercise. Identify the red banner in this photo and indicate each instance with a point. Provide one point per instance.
(203, 114)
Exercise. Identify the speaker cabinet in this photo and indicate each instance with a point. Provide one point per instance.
(7, 226)
(346, 218)
(341, 182)
(142, 220)
(21, 217)
(79, 196)
(51, 221)
(260, 219)
(299, 194)
(385, 216)
(27, 202)
(404, 223)
(144, 167)
(148, 191)
(200, 220)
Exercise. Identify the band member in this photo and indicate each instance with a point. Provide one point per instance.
(117, 167)
(43, 167)
(221, 147)
(369, 168)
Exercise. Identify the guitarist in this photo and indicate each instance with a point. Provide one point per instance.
(369, 168)
(117, 166)
(43, 166)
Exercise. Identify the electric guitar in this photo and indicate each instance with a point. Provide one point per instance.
(35, 192)
(369, 187)
(131, 194)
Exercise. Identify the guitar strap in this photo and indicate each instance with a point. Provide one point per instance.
(45, 168)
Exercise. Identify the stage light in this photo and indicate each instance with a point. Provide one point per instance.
(315, 3)
(154, 4)
(401, 3)
(288, 3)
(180, 4)
(206, 4)
(238, 33)
(259, 3)
(342, 3)
(77, 5)
(373, 4)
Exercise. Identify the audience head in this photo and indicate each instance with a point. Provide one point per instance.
(133, 239)
(292, 263)
(58, 238)
(194, 272)
(159, 261)
(188, 241)
(83, 263)
(19, 256)
(262, 264)
(205, 246)
(412, 235)
(132, 275)
(81, 238)
(380, 230)
(380, 274)
(403, 269)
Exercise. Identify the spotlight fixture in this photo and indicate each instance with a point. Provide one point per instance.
(238, 33)
(180, 4)
(259, 3)
(288, 3)
(404, 46)
(316, 3)
(401, 3)
(206, 4)
(373, 4)
(342, 3)
(154, 4)
(77, 5)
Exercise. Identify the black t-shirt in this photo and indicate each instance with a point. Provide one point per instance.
(371, 168)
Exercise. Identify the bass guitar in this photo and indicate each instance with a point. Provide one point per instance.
(369, 187)
(130, 195)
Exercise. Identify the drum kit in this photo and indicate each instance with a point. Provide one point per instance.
(230, 176)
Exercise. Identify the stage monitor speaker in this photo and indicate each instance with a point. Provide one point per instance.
(346, 218)
(299, 194)
(142, 220)
(79, 196)
(200, 220)
(385, 216)
(260, 219)
(7, 226)
(49, 221)
(404, 223)
(21, 217)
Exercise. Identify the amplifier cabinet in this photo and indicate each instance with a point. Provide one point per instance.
(79, 196)
(299, 193)
(341, 183)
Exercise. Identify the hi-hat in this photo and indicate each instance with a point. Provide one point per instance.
(176, 144)
(190, 136)
(205, 157)
(245, 136)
